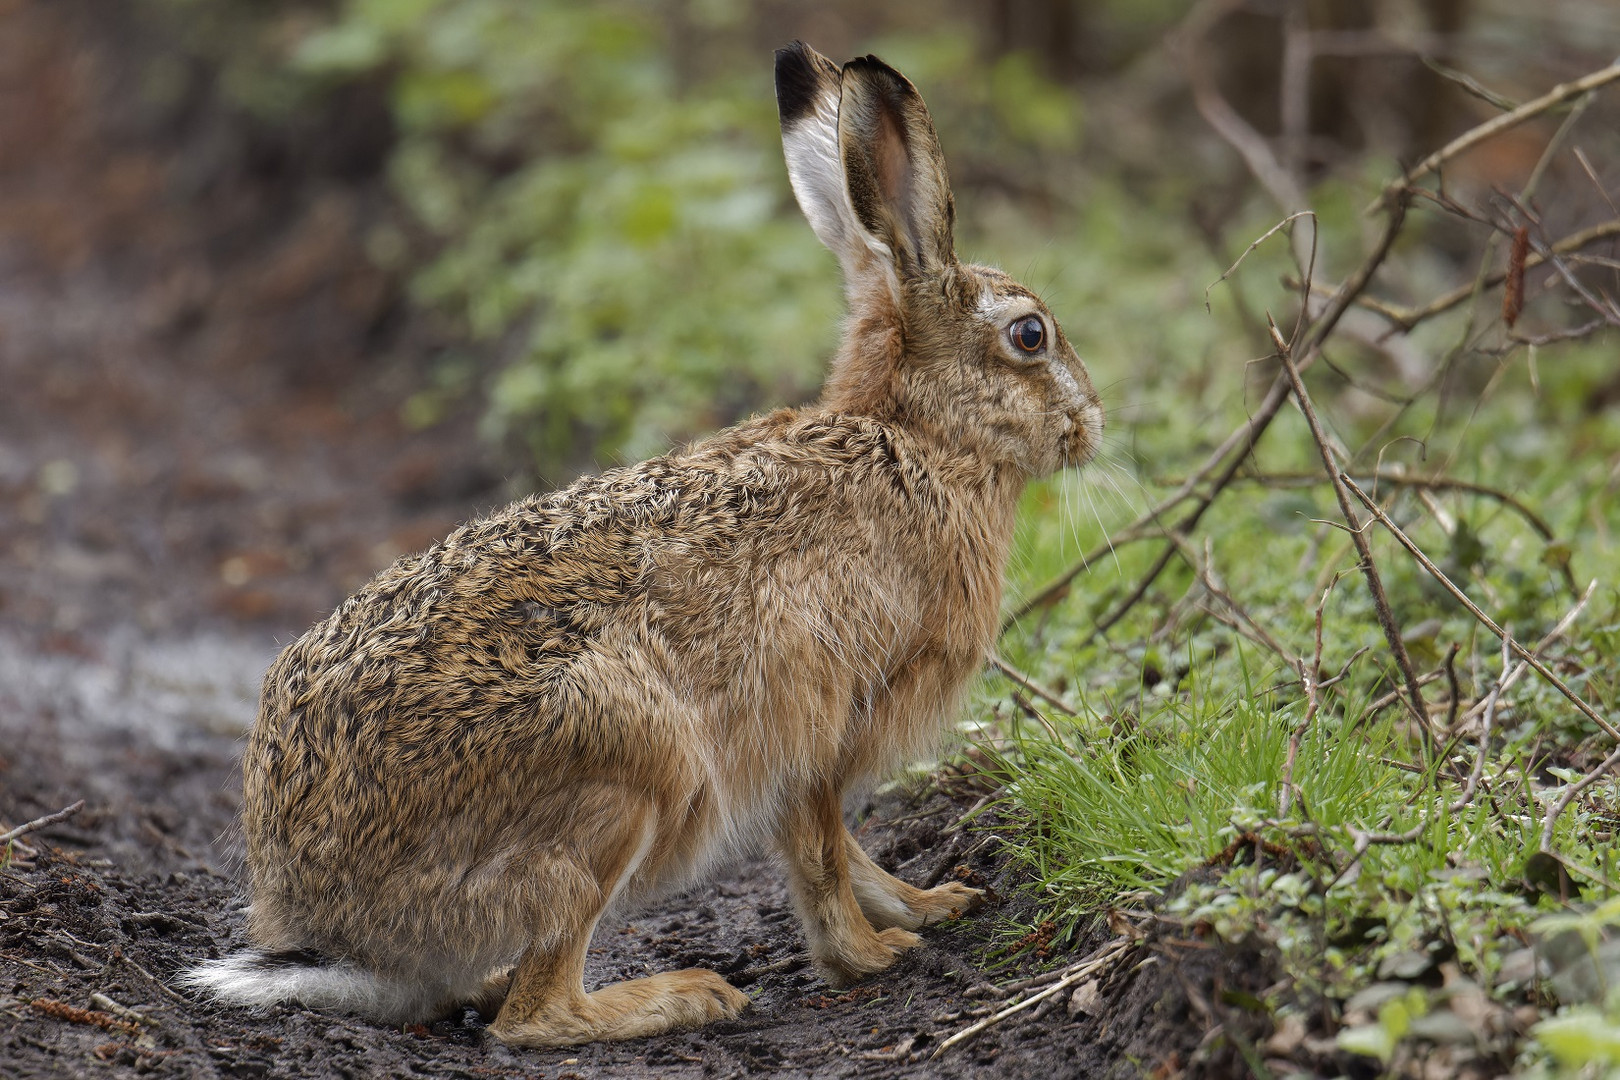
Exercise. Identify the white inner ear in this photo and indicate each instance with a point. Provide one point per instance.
(816, 172)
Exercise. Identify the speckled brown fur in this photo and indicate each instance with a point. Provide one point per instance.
(587, 697)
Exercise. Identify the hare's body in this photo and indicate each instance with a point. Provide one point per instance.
(709, 632)
(585, 698)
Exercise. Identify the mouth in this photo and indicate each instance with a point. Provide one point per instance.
(1082, 435)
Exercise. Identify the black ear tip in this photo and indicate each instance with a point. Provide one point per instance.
(801, 73)
(870, 63)
(791, 53)
(880, 77)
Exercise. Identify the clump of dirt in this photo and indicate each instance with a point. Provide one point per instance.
(201, 453)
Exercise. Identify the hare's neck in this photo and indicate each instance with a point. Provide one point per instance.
(984, 509)
(988, 496)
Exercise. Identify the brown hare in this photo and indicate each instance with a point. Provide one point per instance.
(589, 697)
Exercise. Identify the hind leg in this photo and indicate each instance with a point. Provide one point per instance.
(546, 1003)
(887, 901)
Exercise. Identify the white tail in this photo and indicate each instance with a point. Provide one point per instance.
(258, 980)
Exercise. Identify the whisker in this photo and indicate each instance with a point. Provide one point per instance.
(1108, 537)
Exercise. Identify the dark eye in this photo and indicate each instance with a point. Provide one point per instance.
(1028, 334)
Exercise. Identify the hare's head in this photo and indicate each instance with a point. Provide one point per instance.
(961, 353)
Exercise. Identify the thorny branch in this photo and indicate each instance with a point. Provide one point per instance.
(1320, 312)
(1225, 461)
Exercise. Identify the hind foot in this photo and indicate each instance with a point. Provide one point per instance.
(670, 1001)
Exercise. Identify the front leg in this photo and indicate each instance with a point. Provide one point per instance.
(887, 901)
(817, 846)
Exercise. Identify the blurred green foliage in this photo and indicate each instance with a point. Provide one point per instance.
(616, 230)
(602, 214)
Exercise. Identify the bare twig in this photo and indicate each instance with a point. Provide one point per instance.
(1018, 678)
(1495, 126)
(1241, 621)
(1384, 701)
(1369, 569)
(1570, 793)
(1097, 961)
(1455, 704)
(1574, 333)
(1143, 528)
(1379, 478)
(1521, 667)
(1029, 710)
(1470, 84)
(41, 822)
(102, 1001)
(1591, 174)
(1605, 308)
(1308, 679)
(1478, 771)
(1256, 242)
(1407, 318)
(1439, 576)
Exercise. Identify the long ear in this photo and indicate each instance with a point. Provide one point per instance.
(894, 172)
(807, 93)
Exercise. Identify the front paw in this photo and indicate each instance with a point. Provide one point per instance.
(948, 901)
(867, 956)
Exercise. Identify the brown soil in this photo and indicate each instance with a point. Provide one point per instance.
(200, 453)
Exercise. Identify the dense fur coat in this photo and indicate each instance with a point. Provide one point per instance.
(587, 697)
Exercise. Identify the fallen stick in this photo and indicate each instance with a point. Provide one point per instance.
(61, 1010)
(1092, 964)
(40, 823)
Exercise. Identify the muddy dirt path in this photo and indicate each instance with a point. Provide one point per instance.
(200, 453)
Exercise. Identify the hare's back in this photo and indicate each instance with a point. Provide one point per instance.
(484, 643)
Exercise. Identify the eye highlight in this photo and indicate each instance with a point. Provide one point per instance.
(1028, 334)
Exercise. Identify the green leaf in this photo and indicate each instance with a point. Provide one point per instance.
(1580, 1037)
(1368, 1040)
